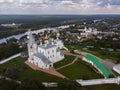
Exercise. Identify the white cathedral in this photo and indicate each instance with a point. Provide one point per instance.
(45, 55)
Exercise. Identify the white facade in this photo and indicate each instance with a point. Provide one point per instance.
(116, 68)
(44, 55)
(52, 52)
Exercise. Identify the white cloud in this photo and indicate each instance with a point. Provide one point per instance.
(66, 2)
(59, 6)
(31, 1)
(109, 6)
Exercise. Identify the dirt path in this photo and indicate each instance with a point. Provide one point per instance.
(68, 64)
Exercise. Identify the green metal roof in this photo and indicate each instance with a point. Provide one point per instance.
(98, 64)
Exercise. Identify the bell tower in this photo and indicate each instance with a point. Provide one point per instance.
(32, 46)
(46, 40)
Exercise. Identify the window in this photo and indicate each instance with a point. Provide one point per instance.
(52, 50)
(57, 50)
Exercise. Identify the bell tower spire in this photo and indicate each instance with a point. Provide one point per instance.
(32, 46)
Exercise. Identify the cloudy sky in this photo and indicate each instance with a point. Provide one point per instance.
(59, 6)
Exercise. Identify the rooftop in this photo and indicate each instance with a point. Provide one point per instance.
(46, 47)
(43, 58)
(98, 64)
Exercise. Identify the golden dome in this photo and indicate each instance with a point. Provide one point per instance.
(46, 37)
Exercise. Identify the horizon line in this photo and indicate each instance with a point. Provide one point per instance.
(60, 14)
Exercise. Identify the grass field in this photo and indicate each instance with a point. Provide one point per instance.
(76, 71)
(68, 59)
(27, 73)
(79, 70)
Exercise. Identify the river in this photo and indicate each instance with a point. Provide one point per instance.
(18, 36)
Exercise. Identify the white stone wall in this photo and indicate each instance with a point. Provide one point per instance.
(116, 70)
(10, 58)
(99, 81)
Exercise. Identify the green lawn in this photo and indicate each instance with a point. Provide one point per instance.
(79, 70)
(27, 73)
(68, 59)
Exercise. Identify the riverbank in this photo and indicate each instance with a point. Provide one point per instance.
(18, 36)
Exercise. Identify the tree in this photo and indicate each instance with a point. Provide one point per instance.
(9, 49)
(8, 85)
(31, 85)
(11, 72)
(12, 40)
(68, 85)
